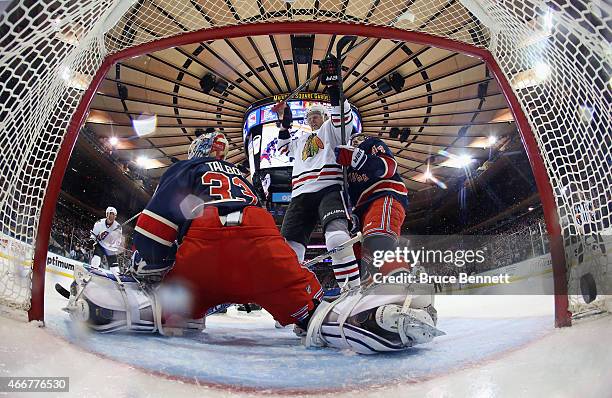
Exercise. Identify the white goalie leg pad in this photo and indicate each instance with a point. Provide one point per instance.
(372, 323)
(108, 303)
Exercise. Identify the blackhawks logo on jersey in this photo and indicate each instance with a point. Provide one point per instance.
(312, 146)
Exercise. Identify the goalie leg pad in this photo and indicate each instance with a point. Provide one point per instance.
(370, 324)
(109, 303)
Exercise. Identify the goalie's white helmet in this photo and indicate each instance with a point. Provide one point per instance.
(214, 145)
(111, 209)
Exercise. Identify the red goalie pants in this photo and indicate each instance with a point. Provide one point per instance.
(248, 263)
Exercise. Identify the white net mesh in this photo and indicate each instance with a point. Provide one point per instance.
(556, 54)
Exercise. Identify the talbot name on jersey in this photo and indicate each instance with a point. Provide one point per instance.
(218, 166)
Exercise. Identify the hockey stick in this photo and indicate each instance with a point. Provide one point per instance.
(62, 291)
(302, 86)
(342, 43)
(348, 243)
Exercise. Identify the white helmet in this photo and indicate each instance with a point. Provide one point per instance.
(213, 145)
(110, 209)
(317, 108)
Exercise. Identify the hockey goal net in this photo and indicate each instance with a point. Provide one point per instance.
(551, 58)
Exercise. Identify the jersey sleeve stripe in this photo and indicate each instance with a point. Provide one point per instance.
(385, 185)
(152, 237)
(390, 166)
(327, 166)
(155, 227)
(310, 177)
(160, 219)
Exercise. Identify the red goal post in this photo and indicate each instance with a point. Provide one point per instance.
(540, 148)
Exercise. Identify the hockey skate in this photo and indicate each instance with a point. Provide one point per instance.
(369, 323)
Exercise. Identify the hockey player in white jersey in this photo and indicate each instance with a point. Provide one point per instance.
(317, 179)
(107, 235)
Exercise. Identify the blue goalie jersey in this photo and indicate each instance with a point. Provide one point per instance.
(183, 192)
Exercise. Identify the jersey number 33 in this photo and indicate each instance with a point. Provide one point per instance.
(224, 187)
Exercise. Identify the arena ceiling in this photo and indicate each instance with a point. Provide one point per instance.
(457, 115)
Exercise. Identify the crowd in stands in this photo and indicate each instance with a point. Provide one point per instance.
(70, 231)
(507, 243)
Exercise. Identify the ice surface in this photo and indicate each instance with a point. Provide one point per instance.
(495, 346)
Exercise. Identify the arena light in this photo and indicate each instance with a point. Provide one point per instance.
(540, 72)
(428, 176)
(540, 29)
(113, 141)
(465, 160)
(586, 114)
(492, 140)
(145, 124)
(547, 22)
(142, 161)
(406, 18)
(74, 79)
(456, 161)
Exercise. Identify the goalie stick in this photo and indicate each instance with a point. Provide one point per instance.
(342, 43)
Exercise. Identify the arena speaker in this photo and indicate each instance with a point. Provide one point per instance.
(207, 82)
(397, 81)
(220, 86)
(302, 48)
(405, 134)
(383, 85)
(123, 92)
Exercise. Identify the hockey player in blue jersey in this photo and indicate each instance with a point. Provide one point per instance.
(379, 197)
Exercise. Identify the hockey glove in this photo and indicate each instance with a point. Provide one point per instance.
(329, 71)
(287, 119)
(347, 155)
(137, 263)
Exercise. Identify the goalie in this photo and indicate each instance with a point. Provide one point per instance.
(229, 250)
